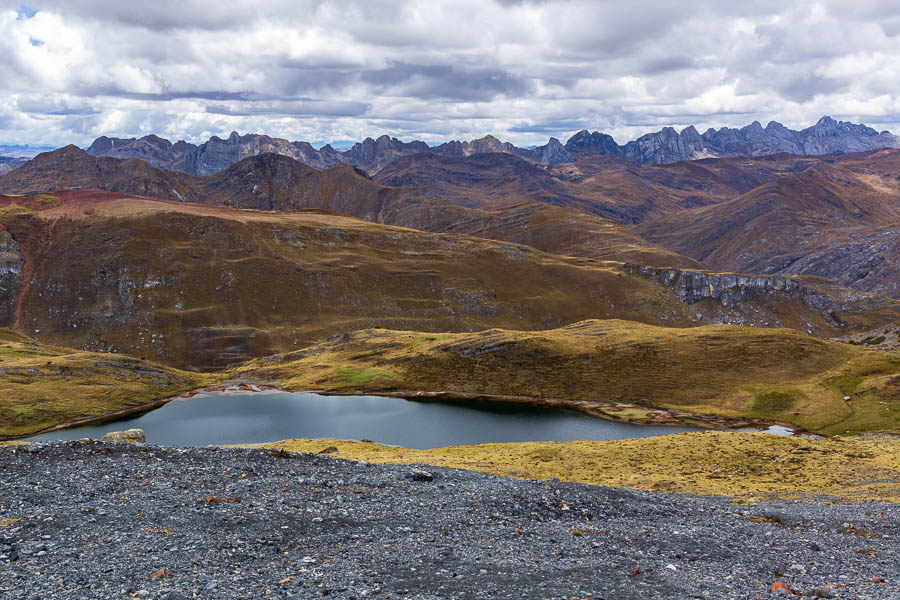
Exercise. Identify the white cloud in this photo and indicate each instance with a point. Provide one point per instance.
(432, 69)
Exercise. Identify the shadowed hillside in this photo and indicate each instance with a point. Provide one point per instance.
(613, 188)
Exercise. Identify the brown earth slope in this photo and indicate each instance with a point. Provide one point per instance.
(609, 187)
(828, 220)
(274, 182)
(202, 286)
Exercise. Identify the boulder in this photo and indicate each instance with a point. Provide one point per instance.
(131, 436)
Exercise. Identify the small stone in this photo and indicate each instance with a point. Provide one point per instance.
(329, 450)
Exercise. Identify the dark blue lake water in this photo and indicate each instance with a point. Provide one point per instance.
(252, 417)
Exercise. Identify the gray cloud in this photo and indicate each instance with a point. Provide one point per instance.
(523, 70)
(446, 82)
(300, 108)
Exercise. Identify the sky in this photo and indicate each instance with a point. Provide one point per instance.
(522, 70)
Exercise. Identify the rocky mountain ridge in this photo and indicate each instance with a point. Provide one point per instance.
(372, 155)
(827, 136)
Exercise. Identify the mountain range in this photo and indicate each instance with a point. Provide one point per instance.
(834, 216)
(666, 146)
(372, 155)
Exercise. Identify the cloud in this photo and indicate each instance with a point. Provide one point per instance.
(523, 70)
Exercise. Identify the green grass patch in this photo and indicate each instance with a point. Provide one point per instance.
(8, 352)
(431, 338)
(356, 375)
(26, 410)
(773, 404)
(45, 201)
(855, 371)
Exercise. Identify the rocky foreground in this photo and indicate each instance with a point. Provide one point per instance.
(102, 520)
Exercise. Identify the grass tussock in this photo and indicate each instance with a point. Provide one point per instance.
(745, 466)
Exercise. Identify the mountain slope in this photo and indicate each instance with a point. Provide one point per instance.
(204, 286)
(274, 182)
(827, 220)
(72, 168)
(43, 386)
(611, 188)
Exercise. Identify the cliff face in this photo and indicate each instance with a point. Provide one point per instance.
(738, 299)
(11, 265)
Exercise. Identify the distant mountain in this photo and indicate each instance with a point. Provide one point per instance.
(610, 187)
(8, 163)
(274, 182)
(667, 145)
(370, 155)
(25, 151)
(73, 168)
(840, 221)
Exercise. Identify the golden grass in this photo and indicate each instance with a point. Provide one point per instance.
(745, 466)
(732, 372)
(42, 386)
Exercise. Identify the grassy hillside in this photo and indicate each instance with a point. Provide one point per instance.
(734, 372)
(203, 287)
(42, 386)
(746, 466)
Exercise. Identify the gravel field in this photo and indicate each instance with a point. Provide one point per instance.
(91, 520)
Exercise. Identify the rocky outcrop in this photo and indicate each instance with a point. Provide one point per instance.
(130, 436)
(11, 264)
(372, 155)
(585, 143)
(727, 288)
(743, 299)
(666, 146)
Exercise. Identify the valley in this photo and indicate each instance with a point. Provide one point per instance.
(241, 274)
(532, 299)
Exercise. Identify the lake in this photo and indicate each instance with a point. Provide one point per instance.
(251, 417)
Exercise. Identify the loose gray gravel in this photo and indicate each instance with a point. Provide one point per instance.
(101, 520)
